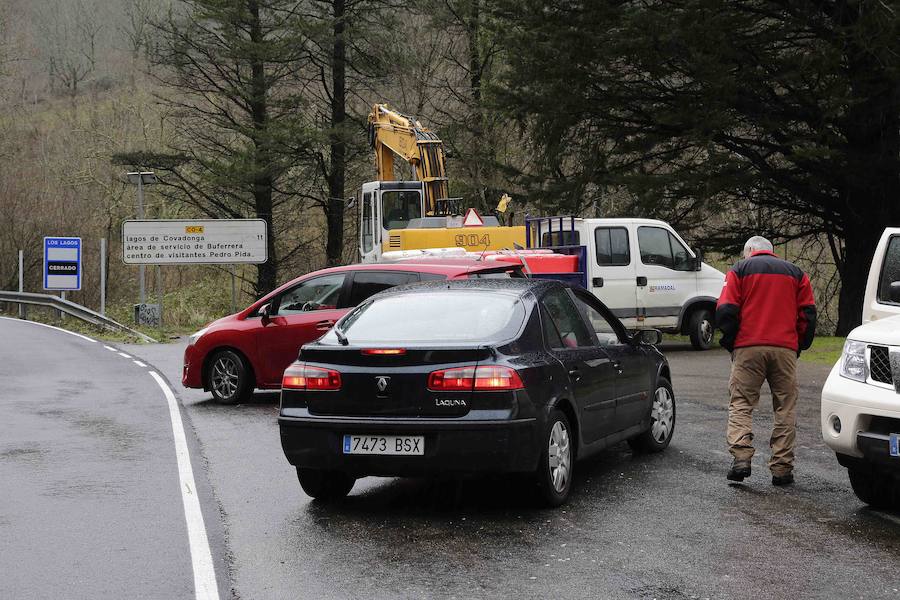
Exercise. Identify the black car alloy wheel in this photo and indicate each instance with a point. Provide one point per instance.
(662, 420)
(554, 474)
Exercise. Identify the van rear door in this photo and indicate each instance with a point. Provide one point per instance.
(612, 271)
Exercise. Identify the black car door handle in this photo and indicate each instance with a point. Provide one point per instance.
(575, 374)
(617, 366)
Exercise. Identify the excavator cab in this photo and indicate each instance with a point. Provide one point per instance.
(387, 206)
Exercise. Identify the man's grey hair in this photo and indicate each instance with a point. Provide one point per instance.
(756, 244)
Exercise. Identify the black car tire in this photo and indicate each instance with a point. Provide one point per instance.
(657, 437)
(701, 328)
(325, 485)
(550, 494)
(229, 377)
(878, 490)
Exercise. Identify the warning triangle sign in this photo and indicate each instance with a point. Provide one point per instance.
(472, 219)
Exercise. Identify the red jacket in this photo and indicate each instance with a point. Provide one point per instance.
(766, 301)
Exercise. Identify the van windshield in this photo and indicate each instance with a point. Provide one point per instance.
(445, 316)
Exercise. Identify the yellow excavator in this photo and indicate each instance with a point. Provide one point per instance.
(418, 214)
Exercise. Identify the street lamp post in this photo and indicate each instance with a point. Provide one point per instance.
(140, 179)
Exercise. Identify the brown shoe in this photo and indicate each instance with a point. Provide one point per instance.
(740, 470)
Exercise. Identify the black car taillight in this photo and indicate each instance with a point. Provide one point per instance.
(467, 379)
(303, 377)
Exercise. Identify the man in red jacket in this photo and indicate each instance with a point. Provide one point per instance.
(767, 315)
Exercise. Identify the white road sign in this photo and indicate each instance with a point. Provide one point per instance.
(194, 241)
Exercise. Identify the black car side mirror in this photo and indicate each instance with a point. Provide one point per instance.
(698, 259)
(895, 292)
(265, 313)
(648, 337)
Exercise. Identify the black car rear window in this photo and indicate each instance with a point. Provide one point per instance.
(442, 316)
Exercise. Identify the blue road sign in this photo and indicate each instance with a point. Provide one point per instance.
(62, 263)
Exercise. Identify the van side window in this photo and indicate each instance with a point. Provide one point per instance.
(890, 270)
(612, 246)
(659, 247)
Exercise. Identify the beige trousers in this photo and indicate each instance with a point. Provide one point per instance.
(751, 366)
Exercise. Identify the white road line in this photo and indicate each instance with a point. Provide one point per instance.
(201, 557)
(110, 348)
(84, 337)
(139, 363)
(123, 355)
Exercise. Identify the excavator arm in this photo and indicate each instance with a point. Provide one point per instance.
(392, 133)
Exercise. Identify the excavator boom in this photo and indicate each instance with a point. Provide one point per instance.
(393, 133)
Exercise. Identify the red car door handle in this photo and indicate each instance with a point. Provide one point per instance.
(324, 325)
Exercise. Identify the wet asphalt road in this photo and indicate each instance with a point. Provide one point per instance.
(90, 505)
(661, 526)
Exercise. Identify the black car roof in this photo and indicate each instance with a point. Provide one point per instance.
(515, 285)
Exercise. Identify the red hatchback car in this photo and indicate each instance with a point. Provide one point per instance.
(234, 355)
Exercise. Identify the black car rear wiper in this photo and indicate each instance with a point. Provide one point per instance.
(342, 339)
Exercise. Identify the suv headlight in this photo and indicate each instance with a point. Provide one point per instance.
(196, 336)
(853, 361)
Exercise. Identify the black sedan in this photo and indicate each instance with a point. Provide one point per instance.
(472, 377)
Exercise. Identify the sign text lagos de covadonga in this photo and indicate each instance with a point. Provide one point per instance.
(195, 241)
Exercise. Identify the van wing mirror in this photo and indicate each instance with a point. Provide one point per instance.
(698, 259)
(895, 292)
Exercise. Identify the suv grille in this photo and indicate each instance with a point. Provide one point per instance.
(880, 364)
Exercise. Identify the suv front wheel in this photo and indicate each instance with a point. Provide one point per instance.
(879, 490)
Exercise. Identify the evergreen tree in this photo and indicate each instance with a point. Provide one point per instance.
(786, 113)
(232, 67)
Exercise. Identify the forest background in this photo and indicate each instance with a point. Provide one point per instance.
(726, 118)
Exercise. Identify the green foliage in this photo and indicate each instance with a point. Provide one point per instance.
(730, 117)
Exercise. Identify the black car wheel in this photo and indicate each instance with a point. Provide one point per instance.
(701, 329)
(662, 421)
(325, 485)
(878, 490)
(554, 474)
(229, 378)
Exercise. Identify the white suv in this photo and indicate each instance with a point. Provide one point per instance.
(861, 398)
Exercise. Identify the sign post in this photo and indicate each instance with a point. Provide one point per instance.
(21, 281)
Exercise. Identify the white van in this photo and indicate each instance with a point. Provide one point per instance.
(641, 269)
(861, 399)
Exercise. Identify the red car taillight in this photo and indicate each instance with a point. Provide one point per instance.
(467, 379)
(303, 377)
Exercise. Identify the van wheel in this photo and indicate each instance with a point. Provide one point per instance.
(229, 378)
(662, 421)
(874, 488)
(325, 485)
(554, 473)
(701, 329)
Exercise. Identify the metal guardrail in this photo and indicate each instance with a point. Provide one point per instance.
(70, 308)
